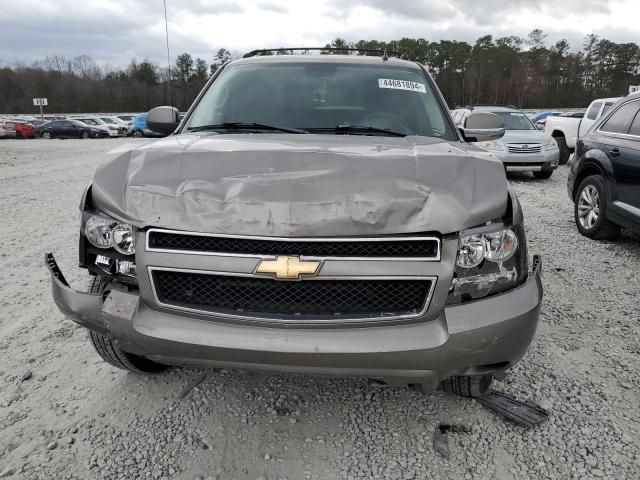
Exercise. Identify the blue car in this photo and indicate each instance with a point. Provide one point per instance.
(540, 119)
(139, 127)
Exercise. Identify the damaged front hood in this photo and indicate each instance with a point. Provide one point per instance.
(301, 185)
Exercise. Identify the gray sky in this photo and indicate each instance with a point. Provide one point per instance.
(114, 31)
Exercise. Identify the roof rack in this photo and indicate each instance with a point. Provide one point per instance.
(471, 107)
(384, 53)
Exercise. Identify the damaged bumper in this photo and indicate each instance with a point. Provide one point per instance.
(478, 337)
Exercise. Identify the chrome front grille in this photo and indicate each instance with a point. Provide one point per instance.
(232, 295)
(427, 248)
(357, 279)
(524, 148)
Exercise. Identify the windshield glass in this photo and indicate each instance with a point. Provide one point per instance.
(322, 96)
(107, 120)
(515, 121)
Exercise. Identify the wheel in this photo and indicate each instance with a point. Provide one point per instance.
(137, 134)
(590, 210)
(111, 353)
(46, 135)
(85, 134)
(474, 386)
(564, 150)
(543, 174)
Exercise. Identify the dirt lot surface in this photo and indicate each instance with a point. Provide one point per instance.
(66, 414)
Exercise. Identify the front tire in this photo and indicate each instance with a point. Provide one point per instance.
(46, 135)
(111, 353)
(564, 149)
(137, 134)
(590, 210)
(472, 386)
(85, 135)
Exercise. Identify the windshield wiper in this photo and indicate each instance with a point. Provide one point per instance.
(358, 129)
(244, 126)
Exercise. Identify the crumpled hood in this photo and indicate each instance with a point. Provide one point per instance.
(524, 136)
(301, 185)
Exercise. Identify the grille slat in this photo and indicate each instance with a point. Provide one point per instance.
(300, 299)
(523, 149)
(397, 247)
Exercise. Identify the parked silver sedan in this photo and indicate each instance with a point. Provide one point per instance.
(7, 131)
(523, 148)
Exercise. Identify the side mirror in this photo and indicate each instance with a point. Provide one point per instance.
(482, 127)
(539, 126)
(163, 120)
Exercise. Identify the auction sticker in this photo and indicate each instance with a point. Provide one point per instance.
(402, 85)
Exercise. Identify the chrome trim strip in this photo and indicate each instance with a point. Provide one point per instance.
(310, 321)
(628, 208)
(435, 258)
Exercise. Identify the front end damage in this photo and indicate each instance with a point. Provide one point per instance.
(479, 337)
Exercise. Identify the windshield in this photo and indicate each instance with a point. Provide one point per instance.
(515, 121)
(312, 96)
(88, 121)
(107, 120)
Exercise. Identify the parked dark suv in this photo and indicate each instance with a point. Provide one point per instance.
(604, 182)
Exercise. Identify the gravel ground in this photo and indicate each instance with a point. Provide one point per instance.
(64, 414)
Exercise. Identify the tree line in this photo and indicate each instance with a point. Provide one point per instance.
(526, 72)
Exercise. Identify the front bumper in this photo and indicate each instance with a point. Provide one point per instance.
(479, 337)
(529, 162)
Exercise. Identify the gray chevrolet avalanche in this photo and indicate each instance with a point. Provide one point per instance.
(316, 214)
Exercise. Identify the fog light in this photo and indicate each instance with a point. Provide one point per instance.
(127, 268)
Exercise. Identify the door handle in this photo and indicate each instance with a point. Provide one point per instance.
(614, 152)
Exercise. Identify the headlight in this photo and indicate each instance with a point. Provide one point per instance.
(105, 232)
(493, 146)
(551, 144)
(111, 127)
(489, 262)
(500, 246)
(98, 231)
(122, 239)
(471, 251)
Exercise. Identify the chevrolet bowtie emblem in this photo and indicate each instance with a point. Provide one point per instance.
(288, 267)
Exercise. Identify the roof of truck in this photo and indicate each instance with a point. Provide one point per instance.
(345, 59)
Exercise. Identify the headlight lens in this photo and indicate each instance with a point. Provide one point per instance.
(471, 252)
(105, 232)
(493, 146)
(122, 239)
(489, 263)
(98, 231)
(500, 246)
(551, 144)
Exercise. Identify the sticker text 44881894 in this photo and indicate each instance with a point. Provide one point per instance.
(401, 85)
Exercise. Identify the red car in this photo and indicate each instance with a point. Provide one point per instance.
(23, 129)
